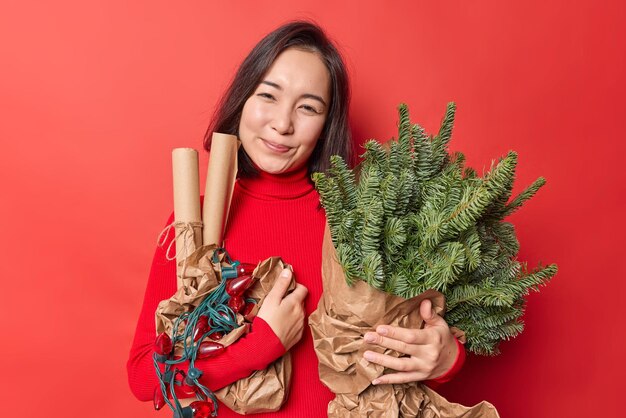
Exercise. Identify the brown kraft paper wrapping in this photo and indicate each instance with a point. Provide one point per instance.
(218, 191)
(344, 314)
(187, 217)
(263, 391)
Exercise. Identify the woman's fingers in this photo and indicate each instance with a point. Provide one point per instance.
(430, 351)
(281, 285)
(283, 312)
(401, 364)
(431, 319)
(405, 335)
(416, 350)
(397, 345)
(400, 377)
(298, 295)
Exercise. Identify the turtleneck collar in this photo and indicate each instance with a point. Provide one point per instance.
(289, 185)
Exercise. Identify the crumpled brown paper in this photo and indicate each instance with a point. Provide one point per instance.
(404, 401)
(263, 391)
(344, 314)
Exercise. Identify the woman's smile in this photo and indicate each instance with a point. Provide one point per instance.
(281, 149)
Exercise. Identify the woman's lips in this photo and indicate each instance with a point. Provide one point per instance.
(276, 147)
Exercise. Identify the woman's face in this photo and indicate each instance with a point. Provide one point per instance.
(283, 119)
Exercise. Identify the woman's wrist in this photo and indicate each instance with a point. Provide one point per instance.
(456, 366)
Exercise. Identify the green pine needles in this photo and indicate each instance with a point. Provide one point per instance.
(417, 219)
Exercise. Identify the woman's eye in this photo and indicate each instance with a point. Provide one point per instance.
(266, 96)
(310, 109)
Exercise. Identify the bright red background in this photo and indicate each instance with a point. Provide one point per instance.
(95, 94)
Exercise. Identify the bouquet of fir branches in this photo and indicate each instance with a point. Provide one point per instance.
(412, 222)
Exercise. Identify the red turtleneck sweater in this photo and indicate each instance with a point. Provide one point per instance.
(270, 215)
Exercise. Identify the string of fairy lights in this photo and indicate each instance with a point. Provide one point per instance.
(196, 335)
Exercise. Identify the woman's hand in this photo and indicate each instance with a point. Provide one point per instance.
(431, 350)
(285, 314)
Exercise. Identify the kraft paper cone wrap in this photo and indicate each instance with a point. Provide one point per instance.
(264, 390)
(344, 314)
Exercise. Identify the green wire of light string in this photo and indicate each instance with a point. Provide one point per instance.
(221, 318)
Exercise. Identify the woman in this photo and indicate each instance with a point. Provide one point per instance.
(288, 103)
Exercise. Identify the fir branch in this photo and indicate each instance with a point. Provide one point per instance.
(519, 200)
(348, 260)
(373, 270)
(404, 128)
(330, 198)
(375, 155)
(346, 183)
(445, 131)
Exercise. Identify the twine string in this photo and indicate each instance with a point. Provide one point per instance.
(185, 230)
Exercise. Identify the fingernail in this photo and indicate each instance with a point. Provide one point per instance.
(375, 382)
(285, 274)
(369, 356)
(369, 338)
(381, 330)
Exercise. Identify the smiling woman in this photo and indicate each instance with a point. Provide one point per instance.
(282, 121)
(288, 103)
(289, 42)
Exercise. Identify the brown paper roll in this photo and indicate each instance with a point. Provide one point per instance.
(187, 219)
(219, 186)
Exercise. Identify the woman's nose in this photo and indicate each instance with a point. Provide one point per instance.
(282, 120)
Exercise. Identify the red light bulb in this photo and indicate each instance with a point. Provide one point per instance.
(245, 268)
(188, 388)
(238, 285)
(248, 309)
(163, 344)
(236, 303)
(202, 409)
(202, 327)
(158, 400)
(209, 349)
(217, 335)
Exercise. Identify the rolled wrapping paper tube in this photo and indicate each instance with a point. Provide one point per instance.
(187, 216)
(220, 181)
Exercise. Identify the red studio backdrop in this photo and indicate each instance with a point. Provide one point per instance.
(94, 95)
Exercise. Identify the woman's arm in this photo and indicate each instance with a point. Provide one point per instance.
(433, 354)
(253, 352)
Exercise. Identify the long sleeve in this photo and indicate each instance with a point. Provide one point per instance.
(253, 352)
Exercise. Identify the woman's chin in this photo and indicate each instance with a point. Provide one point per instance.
(273, 167)
(276, 165)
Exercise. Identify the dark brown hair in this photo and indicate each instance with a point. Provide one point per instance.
(335, 138)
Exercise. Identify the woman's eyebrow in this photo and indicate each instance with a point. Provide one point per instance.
(306, 95)
(270, 83)
(314, 97)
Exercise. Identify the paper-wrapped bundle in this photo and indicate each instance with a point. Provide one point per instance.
(200, 281)
(413, 217)
(411, 220)
(343, 316)
(263, 391)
